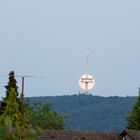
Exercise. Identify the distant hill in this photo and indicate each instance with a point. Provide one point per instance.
(91, 113)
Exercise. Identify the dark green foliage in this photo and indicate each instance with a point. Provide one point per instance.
(11, 109)
(91, 113)
(11, 103)
(43, 116)
(8, 132)
(134, 116)
(10, 86)
(10, 121)
(15, 125)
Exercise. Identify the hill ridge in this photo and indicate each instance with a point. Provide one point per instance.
(91, 113)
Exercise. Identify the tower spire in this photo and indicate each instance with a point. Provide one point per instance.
(86, 81)
(87, 61)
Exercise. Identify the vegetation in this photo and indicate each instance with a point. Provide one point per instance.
(134, 116)
(11, 109)
(15, 125)
(10, 86)
(86, 113)
(91, 113)
(43, 116)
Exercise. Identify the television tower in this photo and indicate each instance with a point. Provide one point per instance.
(86, 81)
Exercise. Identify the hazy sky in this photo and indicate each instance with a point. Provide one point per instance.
(49, 38)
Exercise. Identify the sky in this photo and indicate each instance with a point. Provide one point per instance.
(49, 38)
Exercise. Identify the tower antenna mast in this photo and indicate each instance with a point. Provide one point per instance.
(87, 61)
(86, 81)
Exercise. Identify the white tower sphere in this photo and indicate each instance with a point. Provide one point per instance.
(86, 82)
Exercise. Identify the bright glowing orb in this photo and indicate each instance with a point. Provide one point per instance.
(86, 82)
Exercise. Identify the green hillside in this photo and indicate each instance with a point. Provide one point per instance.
(91, 113)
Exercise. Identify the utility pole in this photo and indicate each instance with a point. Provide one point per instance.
(22, 90)
(22, 96)
(22, 100)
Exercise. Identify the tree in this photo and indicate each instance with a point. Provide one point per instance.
(134, 116)
(10, 119)
(12, 84)
(43, 116)
(11, 109)
(13, 125)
